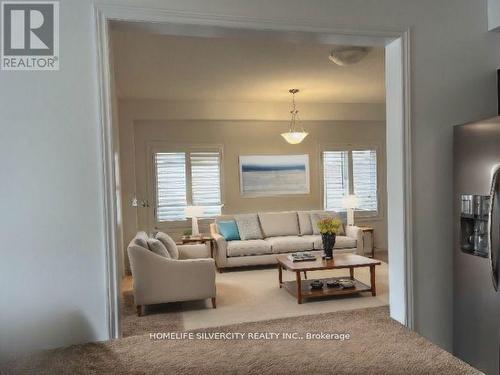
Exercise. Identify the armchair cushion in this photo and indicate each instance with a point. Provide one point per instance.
(194, 251)
(158, 248)
(140, 239)
(229, 230)
(169, 243)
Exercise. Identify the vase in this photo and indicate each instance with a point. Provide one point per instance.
(328, 243)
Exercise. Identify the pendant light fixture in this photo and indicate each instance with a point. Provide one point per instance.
(294, 135)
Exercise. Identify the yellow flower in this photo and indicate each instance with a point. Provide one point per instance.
(329, 225)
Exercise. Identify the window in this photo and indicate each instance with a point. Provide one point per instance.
(350, 172)
(336, 178)
(364, 176)
(187, 178)
(205, 181)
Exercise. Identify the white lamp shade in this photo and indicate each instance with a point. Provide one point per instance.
(350, 201)
(194, 211)
(294, 137)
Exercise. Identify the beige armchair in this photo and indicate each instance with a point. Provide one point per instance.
(159, 280)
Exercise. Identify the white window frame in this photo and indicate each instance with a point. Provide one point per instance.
(359, 214)
(159, 147)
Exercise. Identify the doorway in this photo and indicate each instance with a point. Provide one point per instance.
(397, 131)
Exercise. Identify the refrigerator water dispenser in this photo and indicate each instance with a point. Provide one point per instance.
(474, 224)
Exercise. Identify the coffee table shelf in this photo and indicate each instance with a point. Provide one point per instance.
(291, 286)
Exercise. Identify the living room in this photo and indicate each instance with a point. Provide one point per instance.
(189, 128)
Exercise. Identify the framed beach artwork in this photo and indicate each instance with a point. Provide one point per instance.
(270, 175)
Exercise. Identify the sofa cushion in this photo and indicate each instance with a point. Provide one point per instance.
(229, 230)
(157, 247)
(194, 251)
(248, 247)
(289, 244)
(279, 224)
(169, 243)
(317, 216)
(341, 242)
(249, 227)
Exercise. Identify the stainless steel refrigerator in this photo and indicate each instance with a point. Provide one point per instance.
(476, 323)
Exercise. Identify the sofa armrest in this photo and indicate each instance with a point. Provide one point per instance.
(158, 279)
(355, 232)
(220, 250)
(213, 229)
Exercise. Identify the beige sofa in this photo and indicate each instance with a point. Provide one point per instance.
(158, 279)
(283, 232)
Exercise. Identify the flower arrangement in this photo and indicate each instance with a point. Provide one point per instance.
(329, 225)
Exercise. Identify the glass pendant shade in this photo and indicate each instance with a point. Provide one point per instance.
(293, 135)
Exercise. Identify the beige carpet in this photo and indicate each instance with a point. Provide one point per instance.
(378, 345)
(246, 296)
(160, 318)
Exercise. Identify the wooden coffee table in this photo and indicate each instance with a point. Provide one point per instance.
(301, 288)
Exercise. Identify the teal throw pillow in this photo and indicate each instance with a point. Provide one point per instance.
(229, 230)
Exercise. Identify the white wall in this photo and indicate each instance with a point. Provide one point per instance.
(52, 286)
(52, 280)
(494, 15)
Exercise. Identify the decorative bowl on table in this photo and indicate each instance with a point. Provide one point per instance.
(332, 284)
(316, 284)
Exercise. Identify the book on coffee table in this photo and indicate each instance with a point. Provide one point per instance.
(301, 257)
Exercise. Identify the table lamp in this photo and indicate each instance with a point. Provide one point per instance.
(194, 212)
(350, 202)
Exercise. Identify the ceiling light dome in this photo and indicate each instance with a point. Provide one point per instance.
(348, 55)
(294, 137)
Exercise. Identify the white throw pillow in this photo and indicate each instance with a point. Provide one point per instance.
(158, 248)
(169, 243)
(305, 222)
(248, 226)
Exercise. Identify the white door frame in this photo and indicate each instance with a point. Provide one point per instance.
(398, 118)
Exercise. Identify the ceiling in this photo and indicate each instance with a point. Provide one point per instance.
(179, 68)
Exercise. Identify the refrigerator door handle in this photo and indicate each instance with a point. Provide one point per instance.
(493, 241)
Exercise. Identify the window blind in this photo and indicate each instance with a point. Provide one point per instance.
(364, 171)
(336, 179)
(205, 182)
(171, 199)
